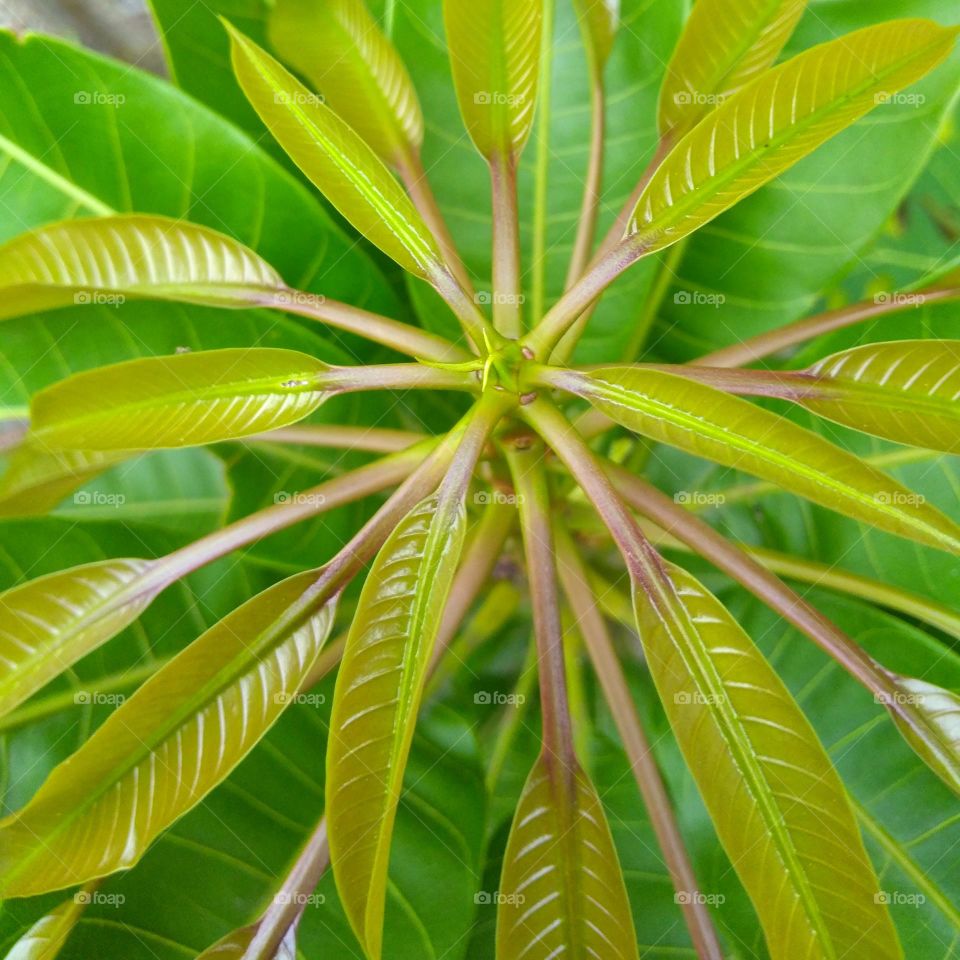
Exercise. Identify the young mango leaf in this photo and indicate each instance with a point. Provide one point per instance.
(941, 710)
(44, 940)
(107, 259)
(375, 703)
(236, 946)
(178, 401)
(341, 50)
(732, 431)
(37, 479)
(907, 391)
(778, 805)
(495, 55)
(724, 45)
(562, 888)
(778, 119)
(48, 624)
(347, 171)
(169, 745)
(599, 21)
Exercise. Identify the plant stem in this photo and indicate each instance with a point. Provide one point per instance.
(335, 437)
(507, 313)
(590, 208)
(773, 341)
(526, 468)
(395, 376)
(424, 199)
(474, 572)
(566, 311)
(594, 631)
(401, 337)
(705, 541)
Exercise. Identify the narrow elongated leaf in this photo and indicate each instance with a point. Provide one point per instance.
(375, 703)
(167, 746)
(778, 119)
(724, 45)
(106, 259)
(599, 21)
(341, 50)
(347, 171)
(562, 891)
(778, 805)
(37, 479)
(941, 710)
(48, 624)
(178, 401)
(44, 940)
(908, 391)
(736, 433)
(495, 55)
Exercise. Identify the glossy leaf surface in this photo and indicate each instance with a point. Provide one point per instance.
(941, 710)
(908, 391)
(599, 20)
(777, 120)
(495, 55)
(37, 479)
(167, 746)
(103, 260)
(378, 693)
(778, 806)
(562, 891)
(48, 624)
(340, 49)
(725, 44)
(177, 401)
(347, 171)
(736, 433)
(45, 938)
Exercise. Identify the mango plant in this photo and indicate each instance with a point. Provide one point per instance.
(480, 481)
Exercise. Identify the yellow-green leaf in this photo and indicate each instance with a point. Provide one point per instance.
(495, 55)
(45, 939)
(109, 259)
(375, 703)
(37, 479)
(779, 118)
(341, 50)
(562, 890)
(724, 45)
(48, 624)
(908, 391)
(236, 946)
(178, 401)
(940, 710)
(778, 806)
(599, 21)
(732, 431)
(344, 168)
(167, 746)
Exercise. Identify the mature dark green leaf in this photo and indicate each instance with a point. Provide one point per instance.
(778, 119)
(167, 746)
(378, 693)
(561, 889)
(107, 259)
(736, 433)
(340, 164)
(778, 805)
(338, 47)
(183, 400)
(908, 391)
(495, 55)
(725, 45)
